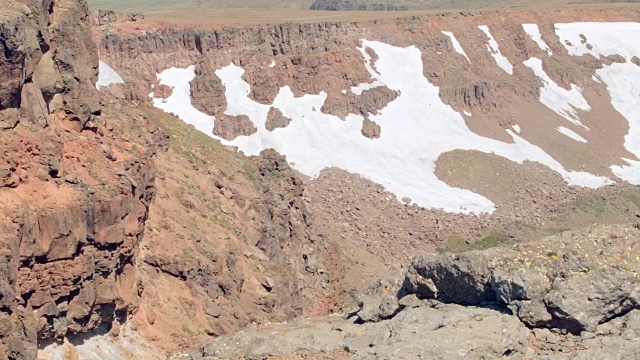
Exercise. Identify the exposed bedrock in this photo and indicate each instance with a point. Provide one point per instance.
(50, 59)
(74, 195)
(572, 282)
(569, 296)
(311, 58)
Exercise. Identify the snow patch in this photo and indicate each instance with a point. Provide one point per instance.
(516, 128)
(494, 49)
(570, 133)
(179, 103)
(344, 91)
(417, 127)
(365, 86)
(564, 102)
(107, 76)
(622, 84)
(467, 113)
(604, 39)
(456, 45)
(534, 33)
(273, 64)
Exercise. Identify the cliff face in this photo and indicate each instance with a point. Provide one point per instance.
(303, 63)
(75, 193)
(51, 62)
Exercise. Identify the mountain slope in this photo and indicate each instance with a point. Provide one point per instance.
(423, 134)
(334, 5)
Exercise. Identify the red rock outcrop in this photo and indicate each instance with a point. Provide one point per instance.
(75, 193)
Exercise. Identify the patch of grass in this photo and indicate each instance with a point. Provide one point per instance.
(275, 174)
(633, 196)
(250, 172)
(592, 206)
(490, 241)
(190, 156)
(200, 149)
(186, 329)
(458, 244)
(454, 244)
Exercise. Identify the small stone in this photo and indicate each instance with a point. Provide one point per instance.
(227, 193)
(71, 179)
(214, 310)
(267, 282)
(115, 329)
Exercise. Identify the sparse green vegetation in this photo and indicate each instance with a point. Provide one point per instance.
(199, 149)
(634, 197)
(458, 244)
(274, 174)
(186, 329)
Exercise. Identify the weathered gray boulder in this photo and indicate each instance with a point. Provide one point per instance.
(380, 300)
(573, 281)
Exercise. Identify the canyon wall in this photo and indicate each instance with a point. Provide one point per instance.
(509, 161)
(75, 193)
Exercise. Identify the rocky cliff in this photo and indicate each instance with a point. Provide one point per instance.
(233, 242)
(331, 64)
(75, 193)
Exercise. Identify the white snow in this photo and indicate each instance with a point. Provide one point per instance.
(570, 133)
(466, 112)
(417, 127)
(621, 79)
(494, 49)
(603, 39)
(273, 64)
(107, 76)
(179, 103)
(534, 33)
(622, 83)
(344, 91)
(516, 128)
(596, 79)
(456, 45)
(564, 102)
(365, 86)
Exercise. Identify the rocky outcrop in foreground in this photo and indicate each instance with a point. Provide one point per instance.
(574, 295)
(573, 283)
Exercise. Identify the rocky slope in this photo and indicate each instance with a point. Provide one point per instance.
(531, 200)
(575, 296)
(219, 242)
(227, 244)
(78, 184)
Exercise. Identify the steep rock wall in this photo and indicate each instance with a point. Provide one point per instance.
(75, 193)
